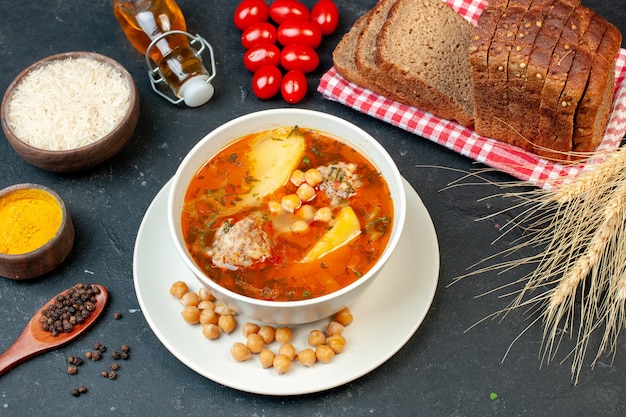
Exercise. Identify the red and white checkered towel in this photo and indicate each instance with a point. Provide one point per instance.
(510, 159)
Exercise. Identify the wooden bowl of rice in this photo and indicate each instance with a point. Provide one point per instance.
(71, 111)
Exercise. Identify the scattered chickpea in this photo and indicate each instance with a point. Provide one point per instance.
(240, 352)
(313, 177)
(222, 309)
(344, 316)
(255, 343)
(297, 177)
(324, 354)
(205, 295)
(283, 335)
(208, 317)
(226, 323)
(206, 305)
(336, 342)
(324, 214)
(281, 364)
(290, 202)
(190, 298)
(267, 333)
(334, 327)
(249, 328)
(191, 314)
(178, 289)
(266, 357)
(305, 192)
(306, 357)
(316, 338)
(211, 331)
(288, 350)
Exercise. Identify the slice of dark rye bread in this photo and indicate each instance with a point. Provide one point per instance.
(344, 60)
(577, 80)
(501, 45)
(558, 73)
(518, 63)
(594, 107)
(344, 55)
(431, 59)
(479, 61)
(365, 58)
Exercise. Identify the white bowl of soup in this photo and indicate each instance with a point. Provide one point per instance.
(287, 215)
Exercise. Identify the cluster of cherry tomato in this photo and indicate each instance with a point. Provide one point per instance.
(297, 30)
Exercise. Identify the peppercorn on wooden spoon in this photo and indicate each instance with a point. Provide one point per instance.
(34, 340)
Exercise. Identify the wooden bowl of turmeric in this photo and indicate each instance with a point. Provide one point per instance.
(36, 231)
(70, 112)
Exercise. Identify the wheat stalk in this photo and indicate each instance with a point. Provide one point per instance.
(580, 227)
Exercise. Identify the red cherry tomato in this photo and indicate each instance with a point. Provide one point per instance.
(294, 86)
(283, 10)
(326, 15)
(266, 82)
(262, 32)
(299, 57)
(250, 12)
(305, 33)
(261, 54)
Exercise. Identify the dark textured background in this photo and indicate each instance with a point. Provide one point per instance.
(441, 371)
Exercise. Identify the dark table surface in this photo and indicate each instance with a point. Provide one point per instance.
(441, 371)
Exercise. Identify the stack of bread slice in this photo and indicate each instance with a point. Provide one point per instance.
(413, 52)
(538, 74)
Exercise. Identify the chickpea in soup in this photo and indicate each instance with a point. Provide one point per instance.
(287, 214)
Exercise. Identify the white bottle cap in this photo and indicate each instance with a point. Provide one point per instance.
(196, 91)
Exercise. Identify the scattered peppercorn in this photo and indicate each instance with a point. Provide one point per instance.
(69, 309)
(72, 370)
(112, 375)
(88, 354)
(114, 366)
(82, 389)
(96, 355)
(102, 348)
(125, 348)
(117, 315)
(125, 355)
(115, 354)
(75, 392)
(74, 360)
(105, 374)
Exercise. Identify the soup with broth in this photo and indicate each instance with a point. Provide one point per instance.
(287, 214)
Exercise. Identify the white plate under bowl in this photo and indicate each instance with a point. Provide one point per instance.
(402, 295)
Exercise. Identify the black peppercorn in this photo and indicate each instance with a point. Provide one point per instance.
(88, 354)
(75, 392)
(112, 375)
(114, 366)
(125, 348)
(82, 389)
(105, 374)
(115, 354)
(96, 355)
(72, 370)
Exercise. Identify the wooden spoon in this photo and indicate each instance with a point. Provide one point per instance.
(34, 340)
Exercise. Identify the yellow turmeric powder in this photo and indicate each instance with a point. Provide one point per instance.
(29, 218)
